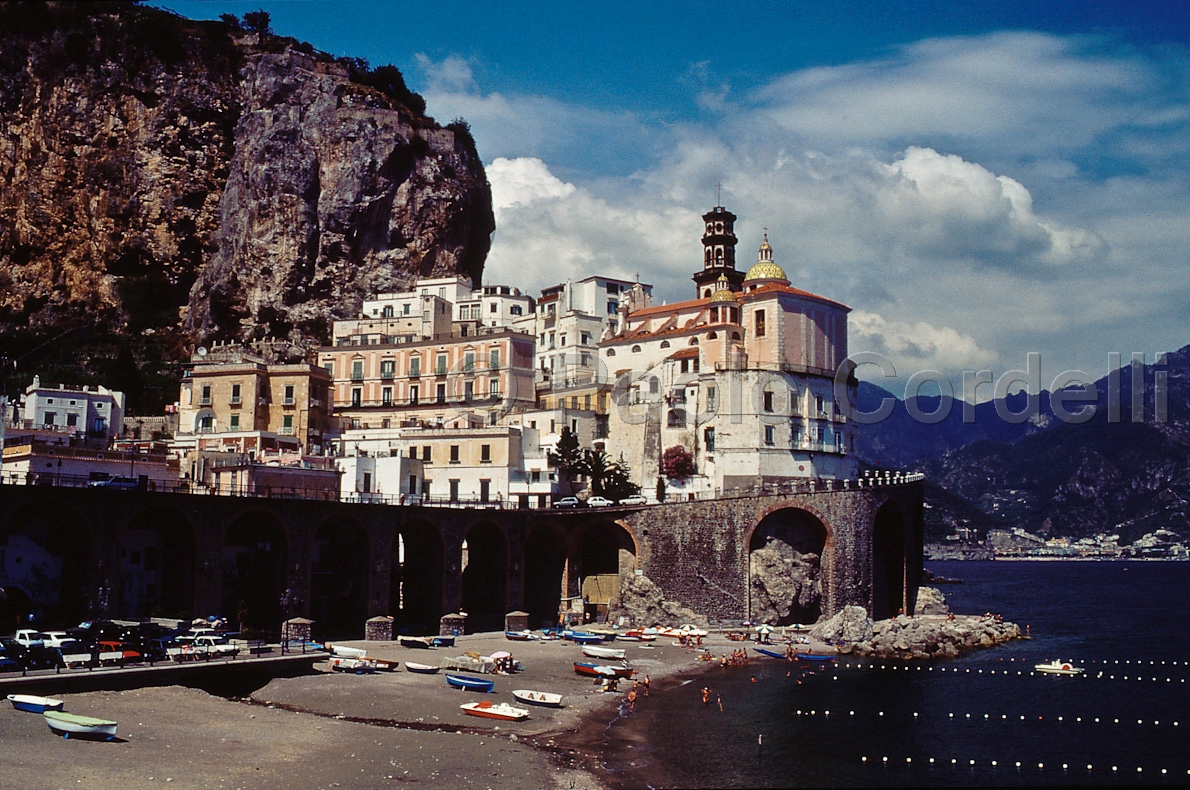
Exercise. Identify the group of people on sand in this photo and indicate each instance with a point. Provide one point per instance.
(736, 658)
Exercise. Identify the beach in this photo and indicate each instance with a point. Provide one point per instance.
(350, 731)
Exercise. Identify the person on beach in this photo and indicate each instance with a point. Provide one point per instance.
(706, 695)
(632, 700)
(645, 683)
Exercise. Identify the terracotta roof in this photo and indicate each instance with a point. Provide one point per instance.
(775, 288)
(667, 308)
(685, 353)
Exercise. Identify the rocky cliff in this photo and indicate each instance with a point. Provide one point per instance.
(158, 173)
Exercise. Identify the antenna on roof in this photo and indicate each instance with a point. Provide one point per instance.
(719, 194)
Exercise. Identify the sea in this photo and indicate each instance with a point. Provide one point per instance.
(984, 719)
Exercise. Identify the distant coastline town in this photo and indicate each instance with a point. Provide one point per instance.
(1016, 543)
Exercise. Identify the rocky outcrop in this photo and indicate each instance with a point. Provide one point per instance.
(644, 604)
(931, 636)
(850, 626)
(157, 172)
(785, 584)
(930, 600)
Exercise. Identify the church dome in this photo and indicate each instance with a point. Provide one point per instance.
(764, 268)
(723, 292)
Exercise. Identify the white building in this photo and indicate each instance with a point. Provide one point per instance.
(93, 413)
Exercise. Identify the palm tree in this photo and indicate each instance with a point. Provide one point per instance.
(597, 467)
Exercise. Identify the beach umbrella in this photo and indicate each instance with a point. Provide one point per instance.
(501, 654)
(764, 628)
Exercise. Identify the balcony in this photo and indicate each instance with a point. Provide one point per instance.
(204, 401)
(287, 430)
(387, 375)
(414, 373)
(234, 400)
(287, 401)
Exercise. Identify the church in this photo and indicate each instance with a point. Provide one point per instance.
(741, 377)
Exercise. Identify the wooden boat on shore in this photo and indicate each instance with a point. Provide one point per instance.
(594, 651)
(358, 666)
(386, 665)
(518, 636)
(469, 683)
(602, 670)
(542, 698)
(421, 669)
(1058, 667)
(502, 711)
(417, 642)
(32, 704)
(72, 724)
(582, 637)
(346, 652)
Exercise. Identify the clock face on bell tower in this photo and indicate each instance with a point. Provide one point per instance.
(718, 253)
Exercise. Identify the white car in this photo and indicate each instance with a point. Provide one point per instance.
(56, 638)
(635, 499)
(598, 501)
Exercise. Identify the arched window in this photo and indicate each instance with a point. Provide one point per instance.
(693, 341)
(735, 335)
(712, 336)
(611, 352)
(636, 349)
(665, 344)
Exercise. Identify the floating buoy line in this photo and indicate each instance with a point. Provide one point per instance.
(1006, 717)
(1096, 669)
(1018, 765)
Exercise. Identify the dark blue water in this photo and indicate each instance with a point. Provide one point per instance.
(1127, 623)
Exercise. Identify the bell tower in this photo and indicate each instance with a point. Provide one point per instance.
(718, 253)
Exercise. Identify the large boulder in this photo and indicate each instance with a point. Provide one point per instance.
(850, 625)
(785, 584)
(644, 603)
(930, 600)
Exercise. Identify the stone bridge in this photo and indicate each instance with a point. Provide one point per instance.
(70, 554)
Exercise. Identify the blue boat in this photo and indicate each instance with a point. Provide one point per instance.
(814, 659)
(469, 683)
(442, 641)
(770, 653)
(581, 638)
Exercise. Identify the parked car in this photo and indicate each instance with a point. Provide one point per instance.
(8, 664)
(55, 638)
(122, 483)
(598, 501)
(635, 499)
(569, 501)
(117, 652)
(30, 637)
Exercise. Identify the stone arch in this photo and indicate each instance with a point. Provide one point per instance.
(484, 566)
(545, 568)
(603, 552)
(50, 556)
(888, 562)
(339, 568)
(255, 551)
(415, 577)
(157, 565)
(788, 582)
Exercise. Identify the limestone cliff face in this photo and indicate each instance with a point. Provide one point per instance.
(157, 172)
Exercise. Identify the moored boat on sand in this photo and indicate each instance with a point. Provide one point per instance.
(502, 711)
(542, 698)
(1058, 667)
(418, 642)
(72, 724)
(519, 636)
(469, 683)
(593, 651)
(602, 670)
(442, 641)
(359, 666)
(32, 704)
(421, 669)
(770, 653)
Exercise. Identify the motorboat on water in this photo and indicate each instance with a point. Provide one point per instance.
(489, 710)
(1058, 667)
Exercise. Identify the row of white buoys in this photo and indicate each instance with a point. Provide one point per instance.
(1004, 672)
(1015, 764)
(1006, 717)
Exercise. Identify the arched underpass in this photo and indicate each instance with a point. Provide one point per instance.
(157, 566)
(485, 577)
(545, 566)
(339, 580)
(784, 567)
(415, 578)
(49, 556)
(606, 551)
(254, 566)
(888, 562)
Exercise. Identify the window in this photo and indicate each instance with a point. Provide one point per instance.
(587, 402)
(357, 370)
(493, 307)
(412, 484)
(357, 396)
(612, 306)
(711, 394)
(760, 328)
(493, 416)
(386, 396)
(821, 434)
(454, 453)
(329, 366)
(485, 490)
(768, 402)
(636, 349)
(405, 308)
(50, 418)
(388, 368)
(72, 420)
(440, 394)
(469, 362)
(468, 390)
(494, 388)
(685, 365)
(287, 425)
(425, 487)
(413, 394)
(768, 435)
(234, 423)
(562, 341)
(515, 310)
(235, 394)
(425, 454)
(485, 453)
(205, 398)
(818, 404)
(288, 397)
(454, 490)
(585, 338)
(708, 439)
(414, 367)
(494, 359)
(388, 311)
(206, 424)
(441, 367)
(611, 352)
(665, 344)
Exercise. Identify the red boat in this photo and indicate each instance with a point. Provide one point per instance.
(602, 670)
(487, 710)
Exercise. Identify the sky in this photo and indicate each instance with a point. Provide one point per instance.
(976, 180)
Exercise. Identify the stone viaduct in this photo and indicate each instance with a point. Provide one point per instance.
(70, 554)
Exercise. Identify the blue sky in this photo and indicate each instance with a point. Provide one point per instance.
(977, 180)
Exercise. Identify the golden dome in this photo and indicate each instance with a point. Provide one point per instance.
(723, 292)
(765, 270)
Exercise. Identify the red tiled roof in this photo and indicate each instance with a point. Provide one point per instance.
(685, 353)
(777, 288)
(667, 308)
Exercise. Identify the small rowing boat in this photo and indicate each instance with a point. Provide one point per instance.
(542, 698)
(32, 704)
(359, 666)
(583, 638)
(602, 670)
(68, 724)
(502, 711)
(418, 642)
(346, 652)
(518, 636)
(1058, 667)
(469, 683)
(813, 658)
(770, 653)
(592, 651)
(442, 641)
(421, 669)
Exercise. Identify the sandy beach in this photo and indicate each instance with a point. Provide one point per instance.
(343, 730)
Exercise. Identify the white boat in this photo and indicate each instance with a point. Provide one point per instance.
(68, 724)
(360, 666)
(542, 698)
(346, 652)
(594, 651)
(421, 669)
(502, 711)
(1058, 667)
(32, 704)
